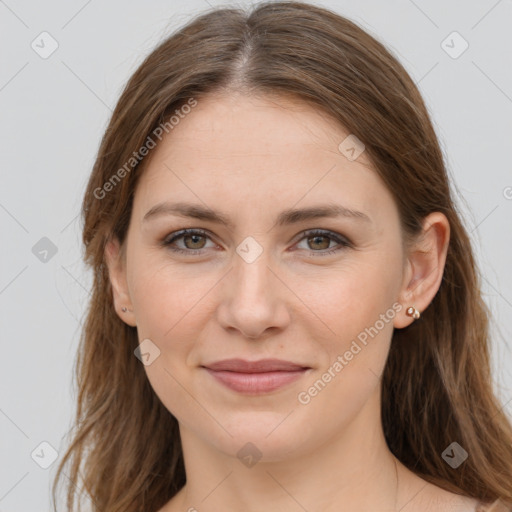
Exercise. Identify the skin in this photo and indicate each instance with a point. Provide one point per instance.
(251, 158)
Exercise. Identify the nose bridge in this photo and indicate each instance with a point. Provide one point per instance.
(251, 303)
(252, 274)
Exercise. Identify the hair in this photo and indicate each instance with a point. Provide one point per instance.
(436, 385)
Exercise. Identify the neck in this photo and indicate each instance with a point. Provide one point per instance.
(354, 471)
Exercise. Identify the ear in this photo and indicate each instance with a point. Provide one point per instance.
(116, 264)
(423, 271)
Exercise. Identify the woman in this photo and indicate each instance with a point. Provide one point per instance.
(286, 313)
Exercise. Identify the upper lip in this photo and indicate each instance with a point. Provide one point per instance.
(261, 366)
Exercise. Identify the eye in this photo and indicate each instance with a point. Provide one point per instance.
(194, 240)
(321, 239)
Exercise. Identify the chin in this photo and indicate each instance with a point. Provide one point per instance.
(262, 435)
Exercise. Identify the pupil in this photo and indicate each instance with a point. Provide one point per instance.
(194, 239)
(319, 237)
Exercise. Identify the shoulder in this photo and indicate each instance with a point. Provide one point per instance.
(445, 501)
(440, 500)
(495, 506)
(431, 498)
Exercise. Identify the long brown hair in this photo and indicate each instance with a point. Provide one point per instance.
(125, 452)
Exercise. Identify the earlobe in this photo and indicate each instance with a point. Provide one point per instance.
(425, 267)
(114, 259)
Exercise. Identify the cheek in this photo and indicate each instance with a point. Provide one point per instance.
(171, 306)
(163, 294)
(356, 304)
(350, 300)
(354, 357)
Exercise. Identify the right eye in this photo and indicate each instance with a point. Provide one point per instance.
(189, 236)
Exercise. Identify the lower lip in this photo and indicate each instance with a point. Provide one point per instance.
(256, 383)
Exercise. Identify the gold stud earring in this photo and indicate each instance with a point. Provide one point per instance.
(413, 312)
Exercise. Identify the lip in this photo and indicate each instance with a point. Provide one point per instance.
(255, 377)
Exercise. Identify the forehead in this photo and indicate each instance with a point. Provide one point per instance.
(235, 148)
(233, 124)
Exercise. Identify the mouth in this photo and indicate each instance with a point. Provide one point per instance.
(255, 377)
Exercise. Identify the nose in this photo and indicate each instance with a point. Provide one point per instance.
(253, 299)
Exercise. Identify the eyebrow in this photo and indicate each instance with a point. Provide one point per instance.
(286, 217)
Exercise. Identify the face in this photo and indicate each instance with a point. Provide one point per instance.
(318, 292)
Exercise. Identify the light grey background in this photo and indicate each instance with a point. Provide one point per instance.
(54, 111)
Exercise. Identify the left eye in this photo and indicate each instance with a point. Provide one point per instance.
(194, 241)
(321, 237)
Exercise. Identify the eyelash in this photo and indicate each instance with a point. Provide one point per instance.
(343, 242)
